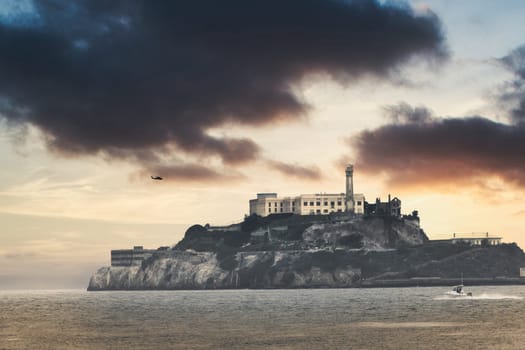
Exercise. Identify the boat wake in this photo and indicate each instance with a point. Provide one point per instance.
(482, 296)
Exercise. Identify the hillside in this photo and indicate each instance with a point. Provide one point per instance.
(289, 251)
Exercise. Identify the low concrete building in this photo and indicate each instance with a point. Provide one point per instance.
(475, 238)
(472, 238)
(130, 257)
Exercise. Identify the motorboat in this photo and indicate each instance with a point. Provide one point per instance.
(457, 291)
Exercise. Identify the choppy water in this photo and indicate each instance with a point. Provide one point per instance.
(397, 318)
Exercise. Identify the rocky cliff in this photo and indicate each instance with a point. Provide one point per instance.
(303, 252)
(204, 270)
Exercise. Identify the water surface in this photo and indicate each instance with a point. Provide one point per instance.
(389, 318)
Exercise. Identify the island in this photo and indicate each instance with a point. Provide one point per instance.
(319, 240)
(311, 251)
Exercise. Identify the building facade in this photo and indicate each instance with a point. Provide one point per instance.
(130, 257)
(472, 238)
(311, 204)
(390, 208)
(475, 238)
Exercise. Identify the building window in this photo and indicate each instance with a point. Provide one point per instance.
(325, 211)
(339, 203)
(318, 204)
(281, 204)
(358, 202)
(326, 203)
(269, 205)
(332, 203)
(318, 211)
(305, 204)
(338, 210)
(275, 204)
(269, 210)
(281, 210)
(311, 203)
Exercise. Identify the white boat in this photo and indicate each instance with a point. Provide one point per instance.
(457, 291)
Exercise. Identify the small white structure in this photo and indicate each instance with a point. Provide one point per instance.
(522, 271)
(359, 203)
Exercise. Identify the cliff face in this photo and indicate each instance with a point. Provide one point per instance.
(476, 262)
(307, 252)
(298, 252)
(206, 270)
(374, 233)
(309, 269)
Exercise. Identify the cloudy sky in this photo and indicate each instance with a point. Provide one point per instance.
(227, 99)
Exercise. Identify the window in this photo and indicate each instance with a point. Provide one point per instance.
(339, 203)
(358, 202)
(281, 210)
(275, 204)
(318, 203)
(325, 203)
(325, 211)
(332, 203)
(318, 211)
(311, 203)
(305, 204)
(281, 204)
(269, 205)
(269, 210)
(338, 210)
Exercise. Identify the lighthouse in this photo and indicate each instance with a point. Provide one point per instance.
(350, 188)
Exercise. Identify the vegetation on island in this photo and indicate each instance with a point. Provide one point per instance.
(395, 259)
(292, 251)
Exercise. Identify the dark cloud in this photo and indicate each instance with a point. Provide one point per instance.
(139, 78)
(417, 149)
(443, 151)
(297, 171)
(514, 94)
(406, 114)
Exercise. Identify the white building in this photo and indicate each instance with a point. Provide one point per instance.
(311, 204)
(475, 238)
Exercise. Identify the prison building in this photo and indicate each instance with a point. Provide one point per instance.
(304, 204)
(311, 204)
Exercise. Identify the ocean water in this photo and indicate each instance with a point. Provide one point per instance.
(389, 318)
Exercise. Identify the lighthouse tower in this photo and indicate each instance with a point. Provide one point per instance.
(350, 188)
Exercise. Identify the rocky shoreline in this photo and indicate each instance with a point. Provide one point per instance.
(355, 253)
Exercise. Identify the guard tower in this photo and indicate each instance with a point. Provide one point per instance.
(350, 188)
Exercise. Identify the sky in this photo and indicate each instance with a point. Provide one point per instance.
(228, 99)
